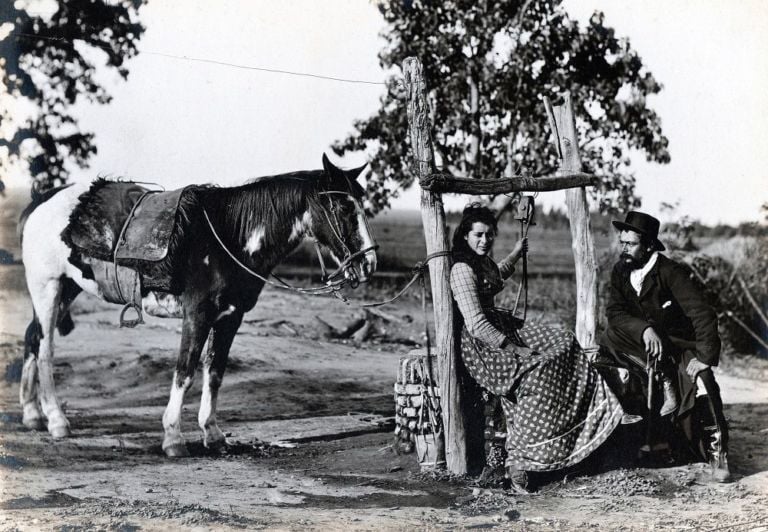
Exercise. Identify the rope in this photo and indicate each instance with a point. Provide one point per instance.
(418, 271)
(201, 60)
(331, 287)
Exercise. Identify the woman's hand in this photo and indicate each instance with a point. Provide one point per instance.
(520, 247)
(523, 352)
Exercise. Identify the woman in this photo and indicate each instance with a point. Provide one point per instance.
(557, 408)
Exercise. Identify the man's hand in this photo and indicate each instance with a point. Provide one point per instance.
(695, 366)
(652, 343)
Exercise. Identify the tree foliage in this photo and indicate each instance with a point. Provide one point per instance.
(488, 64)
(46, 65)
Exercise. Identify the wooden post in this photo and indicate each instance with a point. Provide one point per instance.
(563, 125)
(440, 182)
(433, 218)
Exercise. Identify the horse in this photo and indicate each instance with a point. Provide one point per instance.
(224, 244)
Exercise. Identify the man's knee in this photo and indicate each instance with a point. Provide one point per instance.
(706, 380)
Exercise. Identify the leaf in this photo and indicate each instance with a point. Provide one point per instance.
(43, 66)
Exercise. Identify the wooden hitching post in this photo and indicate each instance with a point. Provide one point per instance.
(433, 218)
(563, 125)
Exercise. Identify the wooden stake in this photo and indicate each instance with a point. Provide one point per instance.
(563, 125)
(433, 218)
(441, 182)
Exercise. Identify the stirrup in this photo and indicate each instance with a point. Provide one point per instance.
(131, 323)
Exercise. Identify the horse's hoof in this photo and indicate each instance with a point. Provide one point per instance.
(59, 431)
(216, 445)
(34, 423)
(176, 450)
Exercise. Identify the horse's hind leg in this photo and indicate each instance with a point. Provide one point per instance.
(46, 297)
(194, 333)
(214, 364)
(32, 417)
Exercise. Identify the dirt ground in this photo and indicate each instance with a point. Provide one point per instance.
(308, 420)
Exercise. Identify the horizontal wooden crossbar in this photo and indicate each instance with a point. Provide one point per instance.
(440, 182)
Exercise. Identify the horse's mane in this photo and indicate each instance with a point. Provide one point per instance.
(271, 202)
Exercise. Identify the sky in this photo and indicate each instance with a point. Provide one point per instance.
(179, 120)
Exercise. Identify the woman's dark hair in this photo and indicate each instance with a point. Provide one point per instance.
(473, 213)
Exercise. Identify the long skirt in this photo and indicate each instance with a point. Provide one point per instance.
(557, 407)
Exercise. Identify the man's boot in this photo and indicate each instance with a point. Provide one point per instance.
(718, 458)
(670, 398)
(716, 442)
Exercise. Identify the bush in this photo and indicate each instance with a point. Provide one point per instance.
(729, 286)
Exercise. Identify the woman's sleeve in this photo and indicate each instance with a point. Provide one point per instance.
(464, 287)
(507, 267)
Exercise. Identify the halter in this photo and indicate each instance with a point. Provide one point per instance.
(345, 265)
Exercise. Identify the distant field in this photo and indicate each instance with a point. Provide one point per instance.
(401, 245)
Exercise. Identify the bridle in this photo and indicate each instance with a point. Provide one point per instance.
(345, 268)
(335, 281)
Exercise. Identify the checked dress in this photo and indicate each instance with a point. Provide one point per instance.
(557, 407)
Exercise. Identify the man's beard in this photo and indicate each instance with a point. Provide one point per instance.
(628, 263)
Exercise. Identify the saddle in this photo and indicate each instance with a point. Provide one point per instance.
(118, 227)
(125, 221)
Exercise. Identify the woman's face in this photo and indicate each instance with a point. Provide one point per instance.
(480, 238)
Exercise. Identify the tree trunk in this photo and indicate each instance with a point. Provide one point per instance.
(433, 218)
(564, 128)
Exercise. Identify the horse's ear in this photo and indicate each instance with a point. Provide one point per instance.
(328, 166)
(335, 174)
(355, 172)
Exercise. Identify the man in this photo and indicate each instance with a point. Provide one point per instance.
(657, 313)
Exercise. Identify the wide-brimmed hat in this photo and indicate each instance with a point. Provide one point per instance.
(642, 223)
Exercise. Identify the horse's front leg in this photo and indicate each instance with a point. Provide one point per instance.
(194, 332)
(214, 364)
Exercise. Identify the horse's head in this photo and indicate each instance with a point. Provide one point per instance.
(340, 224)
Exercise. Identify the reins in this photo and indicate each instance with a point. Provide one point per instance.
(330, 287)
(526, 212)
(418, 271)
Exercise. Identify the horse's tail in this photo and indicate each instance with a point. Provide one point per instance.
(38, 198)
(69, 292)
(34, 332)
(32, 337)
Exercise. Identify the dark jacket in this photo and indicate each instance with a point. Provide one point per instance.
(672, 302)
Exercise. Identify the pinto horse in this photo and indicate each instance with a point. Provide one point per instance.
(224, 244)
